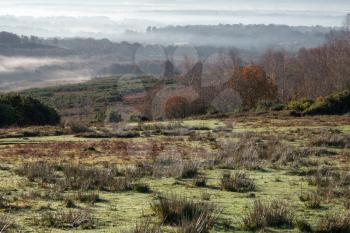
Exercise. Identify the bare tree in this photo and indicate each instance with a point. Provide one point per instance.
(276, 64)
(347, 23)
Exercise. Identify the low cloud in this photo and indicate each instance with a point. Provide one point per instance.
(15, 64)
(17, 73)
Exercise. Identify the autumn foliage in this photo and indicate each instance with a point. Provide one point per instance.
(253, 85)
(177, 107)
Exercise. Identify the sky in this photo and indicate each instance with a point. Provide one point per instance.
(290, 12)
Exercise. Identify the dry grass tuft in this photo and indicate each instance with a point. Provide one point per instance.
(200, 181)
(41, 170)
(87, 197)
(69, 219)
(80, 177)
(247, 153)
(238, 182)
(270, 214)
(334, 223)
(189, 215)
(6, 224)
(174, 166)
(312, 200)
(331, 139)
(146, 227)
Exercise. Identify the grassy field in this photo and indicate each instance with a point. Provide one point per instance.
(292, 171)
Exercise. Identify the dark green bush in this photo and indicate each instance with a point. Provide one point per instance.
(201, 181)
(114, 117)
(278, 107)
(338, 103)
(267, 105)
(24, 111)
(87, 197)
(7, 115)
(139, 118)
(142, 188)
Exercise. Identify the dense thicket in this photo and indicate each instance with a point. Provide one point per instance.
(24, 111)
(337, 103)
(311, 73)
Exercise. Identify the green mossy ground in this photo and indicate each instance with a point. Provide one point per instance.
(118, 212)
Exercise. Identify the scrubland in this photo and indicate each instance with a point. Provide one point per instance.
(243, 173)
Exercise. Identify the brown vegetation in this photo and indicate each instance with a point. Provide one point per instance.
(270, 214)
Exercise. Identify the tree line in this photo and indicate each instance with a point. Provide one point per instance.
(279, 78)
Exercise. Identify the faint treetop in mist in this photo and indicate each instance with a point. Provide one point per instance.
(347, 23)
(9, 38)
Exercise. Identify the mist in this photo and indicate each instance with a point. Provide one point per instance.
(17, 73)
(62, 53)
(109, 19)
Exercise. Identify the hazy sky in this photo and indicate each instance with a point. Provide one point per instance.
(111, 18)
(292, 12)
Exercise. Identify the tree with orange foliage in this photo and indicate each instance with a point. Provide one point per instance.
(177, 107)
(253, 85)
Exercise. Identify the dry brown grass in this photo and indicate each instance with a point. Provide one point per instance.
(6, 224)
(247, 153)
(238, 182)
(269, 214)
(67, 219)
(41, 170)
(331, 139)
(174, 166)
(80, 177)
(312, 200)
(334, 223)
(146, 227)
(190, 215)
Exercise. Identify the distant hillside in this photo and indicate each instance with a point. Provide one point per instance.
(89, 101)
(249, 37)
(245, 37)
(12, 44)
(30, 61)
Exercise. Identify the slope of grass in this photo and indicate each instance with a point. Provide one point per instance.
(88, 99)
